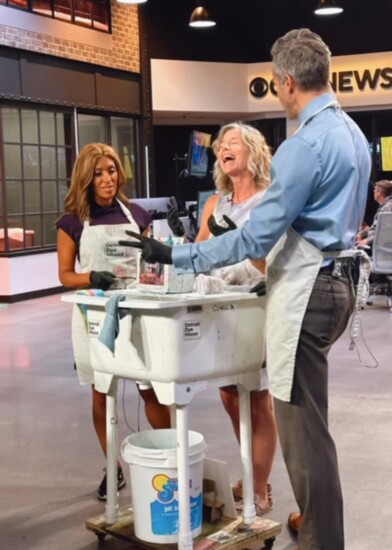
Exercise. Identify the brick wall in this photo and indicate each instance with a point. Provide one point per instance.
(120, 49)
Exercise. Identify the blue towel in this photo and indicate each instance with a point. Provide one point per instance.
(111, 325)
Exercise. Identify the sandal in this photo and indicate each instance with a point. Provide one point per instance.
(236, 489)
(260, 510)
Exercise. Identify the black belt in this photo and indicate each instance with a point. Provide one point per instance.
(327, 268)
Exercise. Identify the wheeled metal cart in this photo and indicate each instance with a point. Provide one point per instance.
(181, 344)
(224, 534)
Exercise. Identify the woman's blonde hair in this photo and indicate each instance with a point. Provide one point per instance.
(259, 157)
(77, 200)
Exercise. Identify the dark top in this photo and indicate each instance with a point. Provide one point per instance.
(104, 215)
(385, 207)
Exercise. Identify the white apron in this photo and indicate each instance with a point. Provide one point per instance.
(100, 251)
(292, 267)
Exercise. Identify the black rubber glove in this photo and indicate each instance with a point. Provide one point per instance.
(152, 250)
(173, 218)
(217, 229)
(101, 279)
(259, 289)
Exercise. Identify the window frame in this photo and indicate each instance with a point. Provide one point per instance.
(5, 179)
(73, 18)
(71, 147)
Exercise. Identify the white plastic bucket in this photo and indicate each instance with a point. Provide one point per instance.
(152, 456)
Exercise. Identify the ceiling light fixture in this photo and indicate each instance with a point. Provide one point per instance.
(131, 1)
(201, 18)
(328, 7)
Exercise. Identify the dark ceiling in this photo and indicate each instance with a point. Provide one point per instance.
(246, 29)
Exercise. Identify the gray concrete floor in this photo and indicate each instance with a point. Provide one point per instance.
(51, 463)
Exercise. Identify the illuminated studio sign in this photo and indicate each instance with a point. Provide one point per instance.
(342, 81)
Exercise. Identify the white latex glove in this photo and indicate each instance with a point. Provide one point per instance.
(243, 273)
(205, 284)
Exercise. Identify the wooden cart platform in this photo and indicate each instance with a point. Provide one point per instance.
(224, 534)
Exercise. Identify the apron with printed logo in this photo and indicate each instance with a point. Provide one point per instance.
(100, 251)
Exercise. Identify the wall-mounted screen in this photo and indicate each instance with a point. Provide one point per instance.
(157, 206)
(386, 154)
(199, 144)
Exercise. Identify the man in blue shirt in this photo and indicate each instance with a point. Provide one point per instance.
(305, 227)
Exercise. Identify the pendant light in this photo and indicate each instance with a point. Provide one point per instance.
(130, 2)
(328, 7)
(201, 18)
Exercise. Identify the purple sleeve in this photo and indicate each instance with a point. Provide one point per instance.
(71, 225)
(141, 216)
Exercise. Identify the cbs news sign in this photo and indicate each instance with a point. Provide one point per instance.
(357, 80)
(342, 81)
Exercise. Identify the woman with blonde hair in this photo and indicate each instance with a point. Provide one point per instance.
(96, 214)
(241, 175)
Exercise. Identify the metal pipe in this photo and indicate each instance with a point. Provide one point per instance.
(248, 511)
(184, 532)
(111, 453)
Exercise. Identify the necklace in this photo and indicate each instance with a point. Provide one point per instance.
(239, 202)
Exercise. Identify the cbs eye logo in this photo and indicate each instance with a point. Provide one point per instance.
(259, 87)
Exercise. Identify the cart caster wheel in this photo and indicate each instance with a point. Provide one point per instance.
(268, 543)
(101, 536)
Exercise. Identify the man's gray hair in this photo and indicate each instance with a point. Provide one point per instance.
(304, 56)
(385, 187)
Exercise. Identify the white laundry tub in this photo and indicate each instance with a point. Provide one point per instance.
(180, 338)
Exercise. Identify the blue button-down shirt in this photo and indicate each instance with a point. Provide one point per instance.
(320, 178)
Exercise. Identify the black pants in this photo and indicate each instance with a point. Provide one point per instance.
(308, 448)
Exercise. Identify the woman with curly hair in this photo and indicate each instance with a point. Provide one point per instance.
(241, 175)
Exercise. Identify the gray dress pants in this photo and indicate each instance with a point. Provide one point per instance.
(308, 448)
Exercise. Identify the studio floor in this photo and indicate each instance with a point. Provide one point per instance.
(51, 464)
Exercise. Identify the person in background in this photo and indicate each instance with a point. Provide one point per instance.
(382, 195)
(305, 226)
(241, 174)
(96, 213)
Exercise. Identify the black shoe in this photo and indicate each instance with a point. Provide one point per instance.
(101, 492)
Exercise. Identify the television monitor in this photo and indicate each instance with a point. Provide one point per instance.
(386, 154)
(202, 197)
(199, 144)
(157, 206)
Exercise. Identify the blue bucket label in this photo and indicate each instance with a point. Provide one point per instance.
(164, 510)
